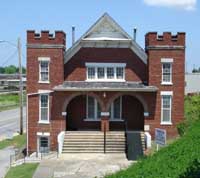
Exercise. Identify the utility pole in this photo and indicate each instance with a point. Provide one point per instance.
(20, 86)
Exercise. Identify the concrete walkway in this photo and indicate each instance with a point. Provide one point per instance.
(5, 160)
(81, 166)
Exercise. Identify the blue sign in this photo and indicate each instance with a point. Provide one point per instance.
(160, 136)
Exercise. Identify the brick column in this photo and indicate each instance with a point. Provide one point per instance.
(104, 123)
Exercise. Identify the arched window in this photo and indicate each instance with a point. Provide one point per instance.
(93, 108)
(116, 109)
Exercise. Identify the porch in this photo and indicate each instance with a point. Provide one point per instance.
(91, 106)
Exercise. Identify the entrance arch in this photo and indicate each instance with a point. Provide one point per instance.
(76, 108)
(132, 112)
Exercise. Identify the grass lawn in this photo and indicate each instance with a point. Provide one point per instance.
(9, 101)
(17, 141)
(22, 171)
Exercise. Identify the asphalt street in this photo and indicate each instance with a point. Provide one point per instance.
(9, 122)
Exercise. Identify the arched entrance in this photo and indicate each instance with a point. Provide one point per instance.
(83, 112)
(129, 109)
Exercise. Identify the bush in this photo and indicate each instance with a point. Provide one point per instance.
(192, 113)
(182, 127)
(175, 161)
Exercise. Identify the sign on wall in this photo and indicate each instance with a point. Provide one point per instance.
(160, 136)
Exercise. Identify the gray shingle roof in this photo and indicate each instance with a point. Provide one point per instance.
(104, 86)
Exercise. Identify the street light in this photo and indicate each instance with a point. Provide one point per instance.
(18, 46)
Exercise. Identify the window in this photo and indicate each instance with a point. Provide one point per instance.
(116, 109)
(166, 73)
(44, 71)
(105, 71)
(110, 72)
(93, 109)
(44, 108)
(43, 144)
(100, 72)
(91, 72)
(167, 70)
(166, 109)
(120, 72)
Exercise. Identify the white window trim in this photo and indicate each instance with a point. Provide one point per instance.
(95, 111)
(105, 66)
(170, 61)
(42, 121)
(47, 59)
(166, 93)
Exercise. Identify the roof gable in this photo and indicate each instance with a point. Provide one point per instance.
(104, 28)
(106, 33)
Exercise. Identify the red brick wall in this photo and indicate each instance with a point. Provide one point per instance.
(155, 76)
(75, 68)
(36, 48)
(56, 60)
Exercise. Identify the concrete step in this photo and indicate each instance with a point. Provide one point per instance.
(93, 143)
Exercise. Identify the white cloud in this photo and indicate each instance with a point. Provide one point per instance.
(182, 4)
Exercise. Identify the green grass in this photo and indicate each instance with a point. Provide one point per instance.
(181, 159)
(17, 141)
(22, 171)
(9, 101)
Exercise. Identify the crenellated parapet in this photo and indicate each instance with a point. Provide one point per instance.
(59, 37)
(153, 40)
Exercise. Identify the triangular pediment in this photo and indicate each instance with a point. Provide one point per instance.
(106, 33)
(106, 28)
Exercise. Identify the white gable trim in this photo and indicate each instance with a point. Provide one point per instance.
(106, 42)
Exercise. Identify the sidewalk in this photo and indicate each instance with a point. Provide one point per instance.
(5, 160)
(81, 165)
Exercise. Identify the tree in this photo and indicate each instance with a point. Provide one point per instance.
(2, 70)
(11, 69)
(196, 70)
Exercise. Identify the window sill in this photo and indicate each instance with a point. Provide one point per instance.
(116, 120)
(92, 120)
(45, 82)
(43, 122)
(166, 83)
(105, 80)
(165, 123)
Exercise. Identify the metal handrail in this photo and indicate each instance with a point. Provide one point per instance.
(104, 138)
(125, 130)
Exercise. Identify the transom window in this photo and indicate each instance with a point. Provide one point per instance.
(106, 71)
(44, 69)
(166, 109)
(44, 108)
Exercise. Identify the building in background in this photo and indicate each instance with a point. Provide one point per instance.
(11, 82)
(192, 83)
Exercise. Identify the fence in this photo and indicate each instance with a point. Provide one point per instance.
(19, 157)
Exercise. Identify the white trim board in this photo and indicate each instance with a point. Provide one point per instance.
(166, 93)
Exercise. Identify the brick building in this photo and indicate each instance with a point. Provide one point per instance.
(103, 82)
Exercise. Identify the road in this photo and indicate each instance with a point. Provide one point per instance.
(9, 122)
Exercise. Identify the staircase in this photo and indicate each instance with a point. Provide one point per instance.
(93, 142)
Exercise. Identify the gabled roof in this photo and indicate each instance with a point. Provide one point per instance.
(106, 33)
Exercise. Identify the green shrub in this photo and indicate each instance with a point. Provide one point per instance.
(192, 113)
(182, 127)
(175, 161)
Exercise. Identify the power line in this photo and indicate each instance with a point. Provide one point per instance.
(9, 57)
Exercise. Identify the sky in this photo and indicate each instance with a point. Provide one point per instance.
(18, 16)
